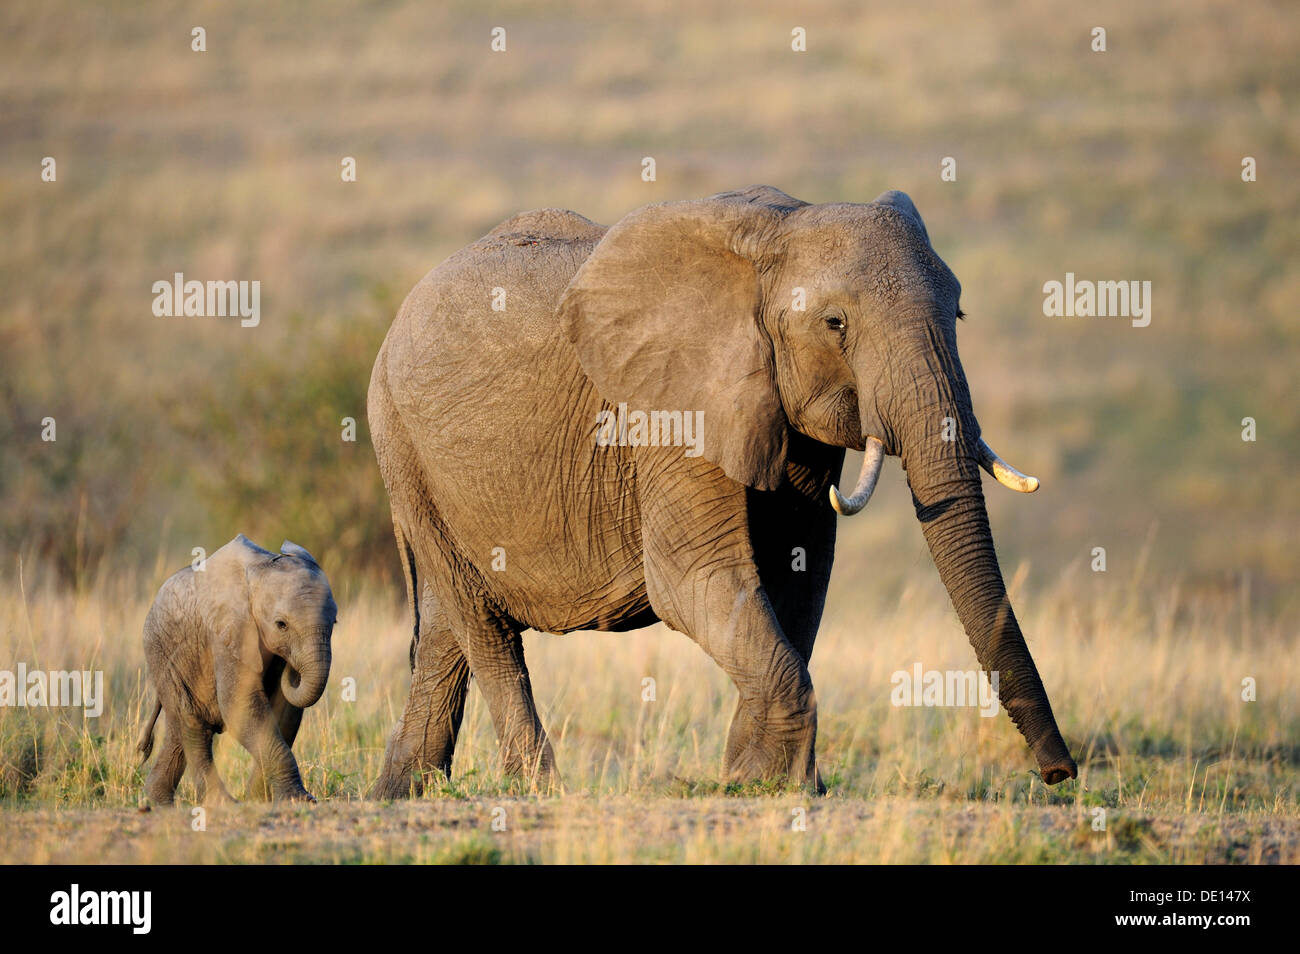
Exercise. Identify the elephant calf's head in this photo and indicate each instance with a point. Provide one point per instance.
(294, 610)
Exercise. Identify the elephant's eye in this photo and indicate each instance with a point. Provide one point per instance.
(835, 322)
(281, 624)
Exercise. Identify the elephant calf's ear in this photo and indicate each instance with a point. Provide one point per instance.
(664, 315)
(292, 549)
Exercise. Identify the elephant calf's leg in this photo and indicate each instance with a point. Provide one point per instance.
(197, 741)
(288, 718)
(257, 730)
(169, 765)
(425, 736)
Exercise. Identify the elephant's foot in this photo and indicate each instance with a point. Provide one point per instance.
(406, 780)
(758, 752)
(408, 762)
(160, 789)
(535, 767)
(424, 738)
(160, 797)
(390, 786)
(211, 791)
(258, 789)
(754, 765)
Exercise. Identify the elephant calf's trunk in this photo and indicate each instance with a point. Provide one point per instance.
(303, 681)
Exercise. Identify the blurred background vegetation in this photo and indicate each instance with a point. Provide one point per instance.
(175, 432)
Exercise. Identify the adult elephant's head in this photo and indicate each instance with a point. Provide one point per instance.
(839, 321)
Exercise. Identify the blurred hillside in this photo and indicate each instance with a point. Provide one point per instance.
(175, 433)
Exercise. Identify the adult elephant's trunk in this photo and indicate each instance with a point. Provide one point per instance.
(305, 674)
(942, 453)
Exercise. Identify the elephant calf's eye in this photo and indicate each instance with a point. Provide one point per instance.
(835, 322)
(281, 624)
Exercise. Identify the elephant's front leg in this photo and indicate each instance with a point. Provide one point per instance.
(702, 579)
(288, 719)
(425, 736)
(249, 716)
(792, 531)
(773, 733)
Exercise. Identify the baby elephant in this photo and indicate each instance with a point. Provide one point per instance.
(244, 644)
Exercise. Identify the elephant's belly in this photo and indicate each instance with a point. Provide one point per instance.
(548, 519)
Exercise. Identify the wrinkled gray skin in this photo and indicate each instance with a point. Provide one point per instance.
(242, 645)
(484, 425)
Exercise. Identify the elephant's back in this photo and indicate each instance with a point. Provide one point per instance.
(502, 420)
(494, 298)
(166, 626)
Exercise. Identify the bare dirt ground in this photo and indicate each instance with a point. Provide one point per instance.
(575, 829)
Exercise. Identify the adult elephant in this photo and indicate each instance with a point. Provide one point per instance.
(797, 331)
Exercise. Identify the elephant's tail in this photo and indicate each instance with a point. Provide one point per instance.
(407, 553)
(145, 745)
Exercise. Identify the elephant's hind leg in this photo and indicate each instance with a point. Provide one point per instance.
(464, 619)
(169, 765)
(496, 656)
(197, 740)
(425, 737)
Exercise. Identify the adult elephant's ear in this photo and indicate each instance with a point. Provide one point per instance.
(903, 203)
(664, 315)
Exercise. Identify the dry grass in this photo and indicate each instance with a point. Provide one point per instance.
(226, 165)
(1145, 683)
(172, 434)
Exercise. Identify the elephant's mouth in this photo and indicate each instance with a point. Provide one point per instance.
(847, 420)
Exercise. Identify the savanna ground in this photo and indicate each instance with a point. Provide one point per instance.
(176, 433)
(1147, 686)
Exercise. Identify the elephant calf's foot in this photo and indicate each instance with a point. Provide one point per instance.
(160, 797)
(257, 789)
(289, 792)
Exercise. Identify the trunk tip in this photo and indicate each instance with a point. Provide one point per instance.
(1059, 771)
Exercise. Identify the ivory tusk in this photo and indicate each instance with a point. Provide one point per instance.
(1004, 473)
(871, 461)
